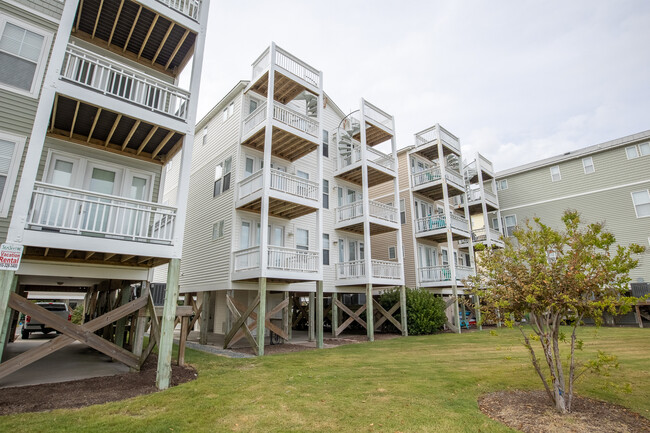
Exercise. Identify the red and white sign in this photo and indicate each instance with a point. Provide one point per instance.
(10, 256)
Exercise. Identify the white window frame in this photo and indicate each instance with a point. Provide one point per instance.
(392, 253)
(502, 185)
(301, 246)
(559, 173)
(12, 173)
(205, 136)
(34, 91)
(645, 144)
(627, 152)
(217, 230)
(505, 226)
(647, 191)
(591, 164)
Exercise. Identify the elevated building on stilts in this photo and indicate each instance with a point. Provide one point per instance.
(91, 112)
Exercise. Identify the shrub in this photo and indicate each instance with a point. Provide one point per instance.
(425, 311)
(78, 314)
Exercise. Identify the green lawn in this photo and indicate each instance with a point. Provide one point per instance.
(407, 384)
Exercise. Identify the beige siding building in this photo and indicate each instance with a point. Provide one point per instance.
(91, 112)
(607, 182)
(279, 217)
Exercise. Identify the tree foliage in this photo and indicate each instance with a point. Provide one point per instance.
(553, 277)
(425, 311)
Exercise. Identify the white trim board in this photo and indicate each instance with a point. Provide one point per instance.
(575, 195)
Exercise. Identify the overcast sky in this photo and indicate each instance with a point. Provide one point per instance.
(515, 80)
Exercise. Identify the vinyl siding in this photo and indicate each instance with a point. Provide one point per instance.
(602, 196)
(17, 111)
(52, 8)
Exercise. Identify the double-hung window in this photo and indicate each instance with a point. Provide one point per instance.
(326, 249)
(326, 143)
(502, 184)
(641, 200)
(302, 239)
(509, 224)
(23, 54)
(217, 230)
(588, 165)
(326, 194)
(555, 173)
(11, 151)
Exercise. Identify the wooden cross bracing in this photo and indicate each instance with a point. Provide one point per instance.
(353, 316)
(241, 313)
(71, 332)
(387, 315)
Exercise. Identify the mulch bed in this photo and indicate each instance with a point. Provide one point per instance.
(532, 412)
(86, 392)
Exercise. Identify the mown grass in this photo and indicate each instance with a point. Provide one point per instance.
(409, 384)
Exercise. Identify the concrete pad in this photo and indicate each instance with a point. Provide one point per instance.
(75, 361)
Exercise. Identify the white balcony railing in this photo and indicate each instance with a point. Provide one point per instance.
(386, 269)
(294, 185)
(254, 119)
(287, 62)
(189, 8)
(378, 116)
(475, 195)
(112, 78)
(294, 260)
(251, 184)
(438, 222)
(378, 210)
(301, 122)
(75, 211)
(287, 259)
(486, 164)
(357, 269)
(434, 175)
(479, 235)
(282, 114)
(455, 178)
(352, 154)
(435, 274)
(280, 181)
(434, 133)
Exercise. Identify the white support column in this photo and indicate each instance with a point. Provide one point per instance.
(188, 141)
(41, 122)
(411, 205)
(266, 170)
(319, 170)
(481, 186)
(450, 240)
(469, 221)
(365, 203)
(400, 246)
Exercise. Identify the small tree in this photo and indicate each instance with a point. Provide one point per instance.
(554, 277)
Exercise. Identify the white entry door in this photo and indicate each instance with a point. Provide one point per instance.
(98, 214)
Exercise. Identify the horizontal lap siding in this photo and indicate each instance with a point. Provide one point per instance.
(17, 111)
(614, 174)
(206, 261)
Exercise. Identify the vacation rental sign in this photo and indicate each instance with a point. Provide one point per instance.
(10, 257)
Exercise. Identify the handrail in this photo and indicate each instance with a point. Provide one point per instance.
(437, 132)
(383, 211)
(189, 8)
(383, 159)
(440, 273)
(246, 259)
(251, 184)
(294, 185)
(432, 174)
(438, 222)
(292, 259)
(455, 177)
(255, 118)
(378, 116)
(349, 211)
(291, 63)
(82, 212)
(292, 118)
(89, 69)
(351, 269)
(385, 269)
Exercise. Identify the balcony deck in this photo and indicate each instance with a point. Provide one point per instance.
(287, 265)
(486, 167)
(479, 236)
(70, 223)
(90, 125)
(429, 183)
(476, 199)
(141, 34)
(294, 134)
(381, 167)
(440, 276)
(426, 143)
(383, 218)
(290, 196)
(434, 228)
(384, 273)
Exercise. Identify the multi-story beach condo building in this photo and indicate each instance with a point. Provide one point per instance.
(279, 209)
(482, 203)
(91, 111)
(438, 254)
(607, 182)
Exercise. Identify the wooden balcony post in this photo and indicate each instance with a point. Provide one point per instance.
(310, 323)
(370, 320)
(165, 346)
(335, 313)
(261, 318)
(8, 283)
(319, 314)
(402, 310)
